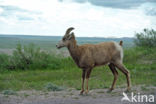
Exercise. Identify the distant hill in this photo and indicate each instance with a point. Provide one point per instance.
(46, 42)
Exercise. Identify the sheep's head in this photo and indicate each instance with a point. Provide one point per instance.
(67, 38)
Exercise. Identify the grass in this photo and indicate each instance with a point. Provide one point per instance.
(141, 63)
(101, 77)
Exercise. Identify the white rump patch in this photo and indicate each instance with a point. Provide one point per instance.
(119, 48)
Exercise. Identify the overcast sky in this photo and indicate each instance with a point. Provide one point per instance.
(90, 18)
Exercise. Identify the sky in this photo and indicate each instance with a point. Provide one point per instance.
(90, 18)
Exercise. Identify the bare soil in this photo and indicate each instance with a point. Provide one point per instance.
(71, 96)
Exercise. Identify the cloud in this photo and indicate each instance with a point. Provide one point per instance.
(53, 17)
(8, 11)
(12, 8)
(149, 9)
(121, 4)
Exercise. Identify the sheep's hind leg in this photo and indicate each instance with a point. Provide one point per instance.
(121, 67)
(115, 73)
(87, 79)
(83, 78)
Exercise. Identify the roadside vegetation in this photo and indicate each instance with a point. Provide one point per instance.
(29, 68)
(147, 38)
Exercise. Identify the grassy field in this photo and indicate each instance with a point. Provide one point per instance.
(141, 63)
(71, 78)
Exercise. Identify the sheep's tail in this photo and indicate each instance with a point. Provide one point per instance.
(121, 43)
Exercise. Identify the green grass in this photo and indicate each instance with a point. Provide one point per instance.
(101, 77)
(141, 63)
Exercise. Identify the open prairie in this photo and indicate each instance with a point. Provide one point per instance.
(56, 71)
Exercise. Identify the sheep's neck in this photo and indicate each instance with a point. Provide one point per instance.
(74, 51)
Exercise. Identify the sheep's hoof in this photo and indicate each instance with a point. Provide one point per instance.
(81, 93)
(110, 90)
(128, 90)
(86, 92)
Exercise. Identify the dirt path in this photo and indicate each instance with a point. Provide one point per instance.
(70, 96)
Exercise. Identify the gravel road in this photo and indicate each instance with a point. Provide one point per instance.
(71, 96)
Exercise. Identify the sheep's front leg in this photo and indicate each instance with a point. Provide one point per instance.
(83, 78)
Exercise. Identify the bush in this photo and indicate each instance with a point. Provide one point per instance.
(9, 92)
(147, 38)
(31, 57)
(27, 57)
(52, 87)
(3, 60)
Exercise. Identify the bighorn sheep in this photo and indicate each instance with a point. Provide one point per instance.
(88, 56)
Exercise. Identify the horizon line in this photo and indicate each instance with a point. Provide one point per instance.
(61, 36)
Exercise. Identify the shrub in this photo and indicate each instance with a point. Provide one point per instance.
(30, 57)
(52, 87)
(9, 92)
(147, 38)
(3, 60)
(27, 57)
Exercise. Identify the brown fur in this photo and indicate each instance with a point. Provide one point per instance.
(88, 56)
(91, 55)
